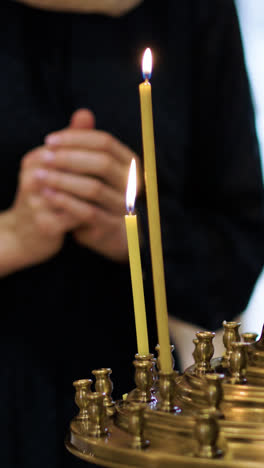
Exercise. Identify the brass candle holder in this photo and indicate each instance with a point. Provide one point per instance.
(145, 376)
(82, 388)
(209, 416)
(231, 335)
(204, 352)
(104, 385)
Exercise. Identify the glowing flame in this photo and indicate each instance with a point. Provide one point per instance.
(147, 64)
(131, 187)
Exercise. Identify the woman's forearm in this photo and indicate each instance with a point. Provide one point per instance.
(60, 5)
(12, 257)
(106, 7)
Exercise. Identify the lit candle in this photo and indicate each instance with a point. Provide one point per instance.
(154, 215)
(135, 264)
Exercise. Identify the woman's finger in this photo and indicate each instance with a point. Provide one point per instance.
(87, 213)
(100, 165)
(93, 140)
(87, 188)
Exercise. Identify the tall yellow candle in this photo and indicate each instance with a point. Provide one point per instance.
(154, 215)
(135, 264)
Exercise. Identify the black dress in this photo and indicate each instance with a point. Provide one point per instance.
(72, 314)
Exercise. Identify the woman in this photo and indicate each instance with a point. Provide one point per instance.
(71, 124)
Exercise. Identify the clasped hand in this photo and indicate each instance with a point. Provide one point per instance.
(76, 182)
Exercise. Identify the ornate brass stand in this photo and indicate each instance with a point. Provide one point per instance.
(210, 416)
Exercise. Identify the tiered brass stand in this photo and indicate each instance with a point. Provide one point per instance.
(212, 415)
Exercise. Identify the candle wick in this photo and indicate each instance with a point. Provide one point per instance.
(146, 76)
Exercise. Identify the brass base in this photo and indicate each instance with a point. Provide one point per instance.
(171, 448)
(203, 419)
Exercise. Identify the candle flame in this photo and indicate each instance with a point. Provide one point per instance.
(131, 187)
(147, 64)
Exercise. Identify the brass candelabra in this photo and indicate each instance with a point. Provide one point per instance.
(211, 415)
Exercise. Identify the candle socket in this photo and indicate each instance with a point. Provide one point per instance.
(144, 378)
(230, 336)
(214, 393)
(157, 348)
(167, 389)
(97, 415)
(82, 389)
(204, 352)
(149, 357)
(194, 354)
(136, 425)
(238, 362)
(206, 434)
(249, 337)
(104, 385)
(255, 366)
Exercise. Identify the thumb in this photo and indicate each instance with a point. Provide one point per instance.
(82, 118)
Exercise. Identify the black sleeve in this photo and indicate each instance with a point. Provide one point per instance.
(213, 237)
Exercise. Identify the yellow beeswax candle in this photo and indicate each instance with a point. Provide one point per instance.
(154, 215)
(135, 265)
